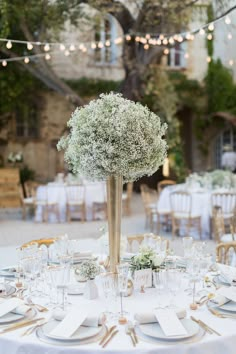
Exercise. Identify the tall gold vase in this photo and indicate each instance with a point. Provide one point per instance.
(114, 206)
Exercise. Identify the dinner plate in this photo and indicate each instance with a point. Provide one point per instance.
(229, 306)
(10, 290)
(8, 272)
(154, 330)
(82, 332)
(40, 335)
(12, 317)
(219, 279)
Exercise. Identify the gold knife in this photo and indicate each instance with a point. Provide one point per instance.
(20, 325)
(110, 338)
(201, 324)
(135, 335)
(106, 335)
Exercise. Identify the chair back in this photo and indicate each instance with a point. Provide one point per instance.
(225, 200)
(75, 193)
(225, 252)
(181, 202)
(218, 225)
(43, 241)
(149, 196)
(163, 184)
(138, 240)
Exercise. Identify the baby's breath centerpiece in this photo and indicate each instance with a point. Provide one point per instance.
(114, 139)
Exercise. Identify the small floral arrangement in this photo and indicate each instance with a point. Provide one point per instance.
(146, 258)
(88, 270)
(114, 136)
(212, 180)
(15, 157)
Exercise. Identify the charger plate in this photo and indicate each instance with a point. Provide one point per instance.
(196, 338)
(154, 330)
(14, 317)
(67, 342)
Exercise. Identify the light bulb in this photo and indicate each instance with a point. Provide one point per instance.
(29, 46)
(171, 40)
(84, 50)
(100, 45)
(230, 36)
(192, 37)
(211, 27)
(165, 41)
(107, 43)
(47, 56)
(146, 46)
(72, 47)
(137, 39)
(26, 60)
(148, 36)
(166, 51)
(46, 47)
(67, 53)
(93, 45)
(180, 39)
(62, 47)
(9, 45)
(209, 37)
(4, 63)
(202, 32)
(208, 59)
(186, 55)
(227, 20)
(161, 37)
(128, 37)
(188, 36)
(158, 42)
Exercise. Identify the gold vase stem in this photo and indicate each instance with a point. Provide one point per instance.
(114, 205)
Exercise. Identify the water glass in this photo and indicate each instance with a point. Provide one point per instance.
(160, 283)
(108, 282)
(187, 245)
(123, 271)
(60, 278)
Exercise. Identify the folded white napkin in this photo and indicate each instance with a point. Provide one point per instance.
(90, 321)
(70, 323)
(149, 317)
(227, 272)
(22, 309)
(11, 305)
(219, 300)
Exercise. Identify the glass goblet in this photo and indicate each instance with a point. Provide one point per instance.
(60, 277)
(123, 271)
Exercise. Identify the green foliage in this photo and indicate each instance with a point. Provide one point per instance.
(210, 44)
(93, 87)
(220, 89)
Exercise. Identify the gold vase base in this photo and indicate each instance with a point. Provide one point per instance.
(193, 306)
(122, 320)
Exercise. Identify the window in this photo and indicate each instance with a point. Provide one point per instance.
(106, 34)
(27, 125)
(176, 56)
(227, 137)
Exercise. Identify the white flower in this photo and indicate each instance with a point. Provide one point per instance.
(88, 270)
(114, 136)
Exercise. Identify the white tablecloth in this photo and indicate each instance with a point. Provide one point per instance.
(57, 192)
(13, 343)
(201, 205)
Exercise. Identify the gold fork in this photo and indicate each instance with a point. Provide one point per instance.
(221, 315)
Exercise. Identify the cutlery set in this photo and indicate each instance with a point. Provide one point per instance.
(108, 336)
(207, 328)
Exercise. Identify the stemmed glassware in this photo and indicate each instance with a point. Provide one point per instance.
(160, 282)
(123, 271)
(60, 277)
(108, 282)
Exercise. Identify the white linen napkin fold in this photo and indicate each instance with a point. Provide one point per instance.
(170, 323)
(9, 305)
(229, 293)
(72, 321)
(149, 317)
(90, 321)
(84, 254)
(219, 300)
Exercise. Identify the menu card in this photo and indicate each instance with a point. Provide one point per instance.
(169, 322)
(229, 293)
(70, 323)
(9, 305)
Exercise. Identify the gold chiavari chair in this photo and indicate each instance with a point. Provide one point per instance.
(181, 211)
(75, 201)
(100, 202)
(138, 239)
(149, 198)
(225, 252)
(227, 202)
(218, 224)
(42, 241)
(126, 199)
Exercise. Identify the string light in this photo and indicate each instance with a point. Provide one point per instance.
(211, 27)
(107, 43)
(47, 56)
(161, 37)
(227, 20)
(188, 36)
(202, 32)
(46, 47)
(148, 36)
(30, 46)
(62, 47)
(180, 39)
(137, 39)
(128, 37)
(208, 59)
(186, 55)
(230, 36)
(26, 60)
(67, 53)
(231, 62)
(4, 63)
(209, 37)
(72, 48)
(171, 40)
(192, 37)
(159, 42)
(9, 45)
(100, 45)
(93, 45)
(146, 46)
(166, 51)
(165, 41)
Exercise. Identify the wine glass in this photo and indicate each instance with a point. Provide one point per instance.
(60, 277)
(123, 271)
(187, 245)
(160, 281)
(108, 282)
(174, 277)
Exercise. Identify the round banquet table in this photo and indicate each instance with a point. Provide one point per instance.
(56, 192)
(201, 205)
(14, 343)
